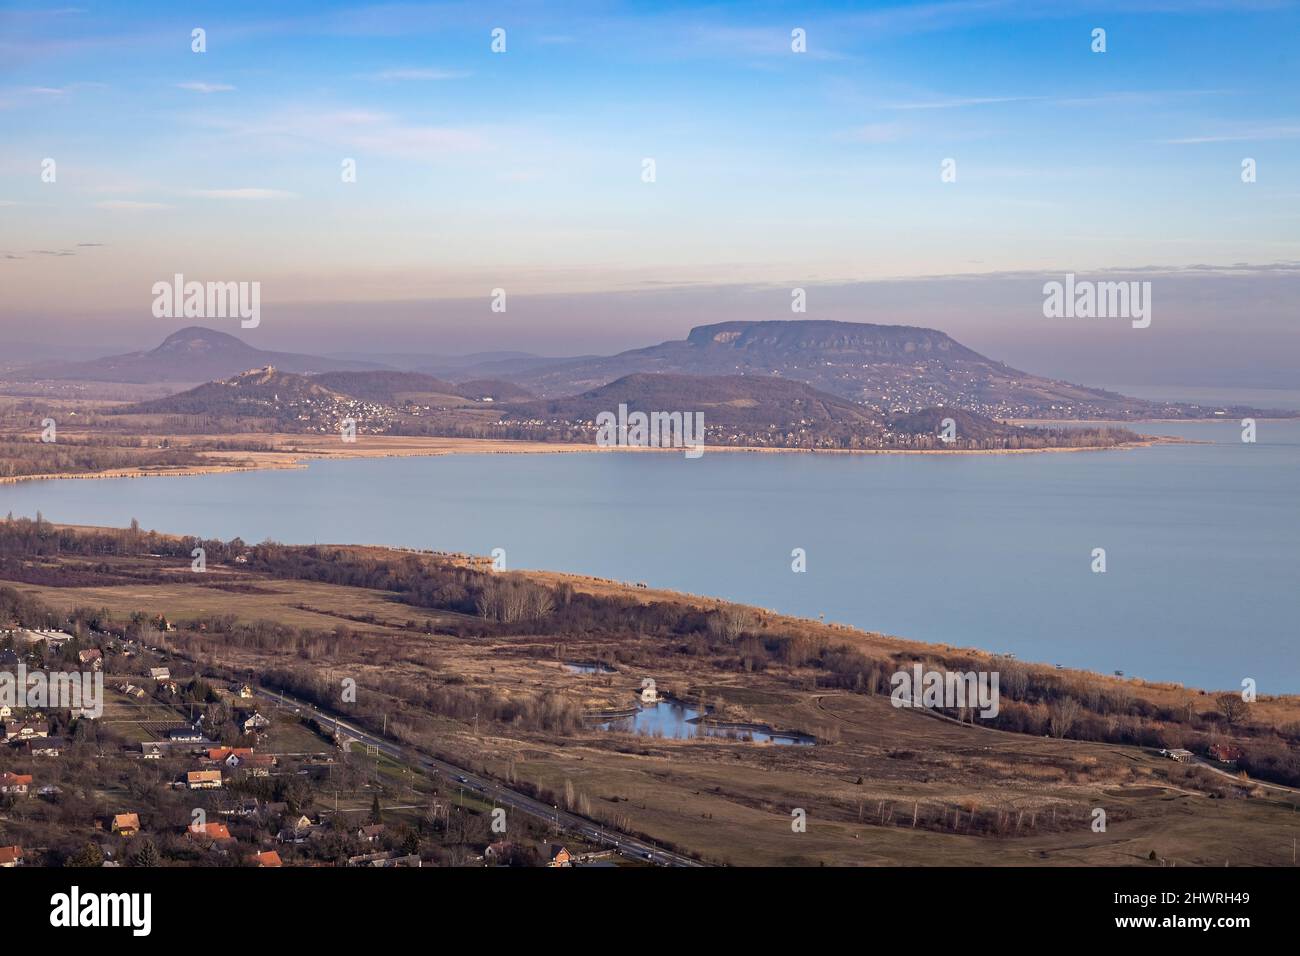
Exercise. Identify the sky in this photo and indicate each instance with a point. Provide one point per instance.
(524, 170)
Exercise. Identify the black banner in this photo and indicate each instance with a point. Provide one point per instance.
(331, 906)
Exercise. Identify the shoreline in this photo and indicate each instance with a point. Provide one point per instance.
(882, 641)
(598, 585)
(1142, 421)
(224, 462)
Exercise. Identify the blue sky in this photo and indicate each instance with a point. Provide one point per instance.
(522, 170)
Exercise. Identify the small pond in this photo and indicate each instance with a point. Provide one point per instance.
(673, 720)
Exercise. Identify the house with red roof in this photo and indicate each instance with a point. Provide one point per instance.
(15, 784)
(210, 833)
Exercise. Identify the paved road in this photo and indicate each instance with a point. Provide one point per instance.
(628, 846)
(1236, 777)
(622, 843)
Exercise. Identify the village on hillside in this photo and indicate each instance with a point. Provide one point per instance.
(182, 768)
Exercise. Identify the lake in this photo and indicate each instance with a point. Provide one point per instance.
(672, 720)
(993, 551)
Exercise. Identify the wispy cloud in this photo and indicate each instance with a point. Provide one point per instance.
(1239, 136)
(359, 130)
(198, 87)
(245, 193)
(1135, 97)
(44, 91)
(759, 41)
(129, 204)
(960, 102)
(418, 73)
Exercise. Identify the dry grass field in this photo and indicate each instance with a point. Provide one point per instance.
(881, 785)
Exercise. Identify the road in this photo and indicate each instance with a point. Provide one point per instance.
(624, 844)
(1238, 778)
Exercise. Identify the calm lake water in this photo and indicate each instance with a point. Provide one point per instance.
(672, 720)
(993, 551)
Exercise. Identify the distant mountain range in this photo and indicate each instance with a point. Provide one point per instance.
(750, 404)
(261, 393)
(193, 354)
(892, 368)
(379, 401)
(888, 370)
(735, 401)
(748, 410)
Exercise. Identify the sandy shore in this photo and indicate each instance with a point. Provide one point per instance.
(292, 451)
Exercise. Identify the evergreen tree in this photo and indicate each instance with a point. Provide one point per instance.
(147, 855)
(89, 855)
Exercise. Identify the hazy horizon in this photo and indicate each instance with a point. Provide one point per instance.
(1189, 342)
(774, 170)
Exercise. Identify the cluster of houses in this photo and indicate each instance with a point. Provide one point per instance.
(242, 758)
(162, 678)
(192, 737)
(54, 638)
(211, 762)
(1227, 754)
(210, 835)
(216, 836)
(31, 737)
(13, 729)
(556, 854)
(207, 835)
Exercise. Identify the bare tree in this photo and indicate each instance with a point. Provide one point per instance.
(1062, 714)
(1232, 708)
